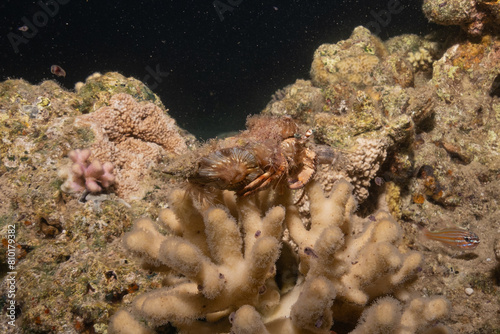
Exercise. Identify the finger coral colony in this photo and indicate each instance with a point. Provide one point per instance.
(308, 221)
(343, 264)
(90, 177)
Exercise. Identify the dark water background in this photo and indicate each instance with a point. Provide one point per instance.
(216, 67)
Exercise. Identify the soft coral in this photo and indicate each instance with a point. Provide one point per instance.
(90, 177)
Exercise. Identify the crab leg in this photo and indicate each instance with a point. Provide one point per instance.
(255, 184)
(263, 186)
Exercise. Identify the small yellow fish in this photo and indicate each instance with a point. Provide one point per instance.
(454, 237)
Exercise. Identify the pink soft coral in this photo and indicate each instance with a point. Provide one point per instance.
(90, 177)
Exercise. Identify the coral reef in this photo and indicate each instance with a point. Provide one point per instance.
(445, 122)
(368, 111)
(229, 265)
(132, 137)
(68, 254)
(420, 142)
(225, 267)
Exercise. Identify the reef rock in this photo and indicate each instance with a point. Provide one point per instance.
(473, 16)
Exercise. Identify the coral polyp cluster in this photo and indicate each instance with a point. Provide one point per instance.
(87, 176)
(133, 136)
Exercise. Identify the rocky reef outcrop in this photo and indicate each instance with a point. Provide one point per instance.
(415, 122)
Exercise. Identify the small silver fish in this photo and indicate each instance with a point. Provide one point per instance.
(454, 237)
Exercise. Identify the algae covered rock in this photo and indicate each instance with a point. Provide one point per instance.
(473, 16)
(67, 252)
(98, 90)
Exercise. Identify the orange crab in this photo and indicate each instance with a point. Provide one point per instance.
(259, 164)
(295, 162)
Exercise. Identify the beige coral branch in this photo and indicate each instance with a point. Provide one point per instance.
(312, 309)
(227, 254)
(248, 321)
(222, 273)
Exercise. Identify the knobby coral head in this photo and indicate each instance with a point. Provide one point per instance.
(90, 177)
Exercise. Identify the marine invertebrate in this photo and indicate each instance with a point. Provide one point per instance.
(259, 163)
(387, 315)
(224, 266)
(86, 176)
(230, 266)
(133, 137)
(420, 59)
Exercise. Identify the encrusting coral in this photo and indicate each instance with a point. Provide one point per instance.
(132, 136)
(227, 259)
(359, 166)
(85, 175)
